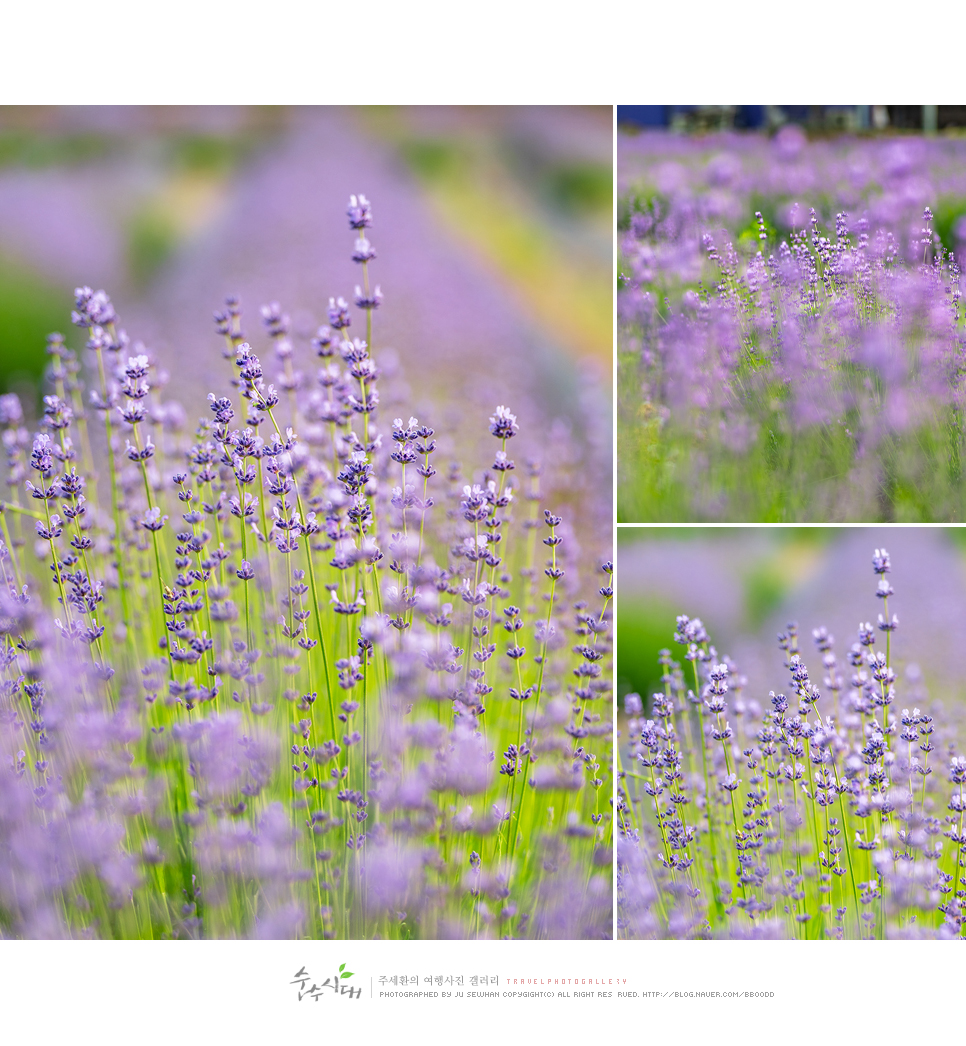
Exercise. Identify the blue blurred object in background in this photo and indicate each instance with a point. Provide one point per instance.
(817, 118)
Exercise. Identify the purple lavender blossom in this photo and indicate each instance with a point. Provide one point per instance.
(213, 641)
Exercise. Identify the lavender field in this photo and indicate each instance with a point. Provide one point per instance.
(790, 328)
(815, 792)
(289, 655)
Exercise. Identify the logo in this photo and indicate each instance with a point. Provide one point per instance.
(330, 985)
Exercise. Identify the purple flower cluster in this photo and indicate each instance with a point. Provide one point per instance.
(289, 672)
(820, 812)
(792, 305)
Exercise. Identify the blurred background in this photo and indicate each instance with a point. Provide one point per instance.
(493, 229)
(686, 171)
(816, 118)
(720, 164)
(746, 584)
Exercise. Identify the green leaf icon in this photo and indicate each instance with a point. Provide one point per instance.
(347, 975)
(341, 968)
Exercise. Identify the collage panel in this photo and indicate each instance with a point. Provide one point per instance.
(785, 773)
(790, 335)
(306, 530)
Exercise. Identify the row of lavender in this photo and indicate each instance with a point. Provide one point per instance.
(791, 336)
(832, 813)
(253, 678)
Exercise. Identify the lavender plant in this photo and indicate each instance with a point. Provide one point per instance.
(284, 676)
(791, 335)
(833, 812)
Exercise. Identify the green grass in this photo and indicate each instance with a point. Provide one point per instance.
(22, 148)
(671, 474)
(30, 308)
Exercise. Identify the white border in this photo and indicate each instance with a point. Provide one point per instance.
(501, 52)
